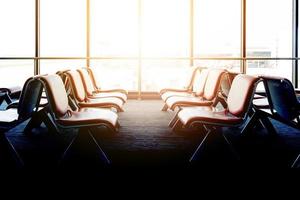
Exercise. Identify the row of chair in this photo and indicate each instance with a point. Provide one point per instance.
(197, 106)
(74, 100)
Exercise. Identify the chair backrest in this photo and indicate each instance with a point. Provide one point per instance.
(226, 83)
(212, 84)
(282, 97)
(199, 81)
(56, 94)
(94, 79)
(30, 98)
(192, 73)
(87, 82)
(241, 94)
(77, 85)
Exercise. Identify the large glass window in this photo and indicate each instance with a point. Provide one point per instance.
(53, 66)
(158, 29)
(165, 28)
(17, 28)
(230, 65)
(15, 72)
(114, 28)
(158, 74)
(63, 28)
(217, 29)
(116, 74)
(269, 35)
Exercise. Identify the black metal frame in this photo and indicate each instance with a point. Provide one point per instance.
(243, 57)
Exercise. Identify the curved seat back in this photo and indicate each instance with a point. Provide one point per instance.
(56, 94)
(94, 79)
(212, 84)
(30, 98)
(282, 97)
(77, 85)
(199, 81)
(241, 94)
(87, 82)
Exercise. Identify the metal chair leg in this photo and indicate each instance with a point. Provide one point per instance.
(251, 123)
(296, 163)
(200, 148)
(174, 120)
(165, 108)
(10, 153)
(84, 149)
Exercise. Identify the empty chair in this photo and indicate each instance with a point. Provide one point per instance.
(92, 93)
(239, 102)
(198, 86)
(84, 118)
(97, 85)
(83, 100)
(225, 86)
(188, 89)
(282, 104)
(9, 93)
(27, 108)
(207, 92)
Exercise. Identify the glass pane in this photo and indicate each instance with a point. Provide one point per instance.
(114, 28)
(230, 65)
(52, 66)
(270, 68)
(15, 72)
(116, 74)
(165, 28)
(217, 28)
(63, 28)
(280, 68)
(17, 19)
(164, 74)
(269, 28)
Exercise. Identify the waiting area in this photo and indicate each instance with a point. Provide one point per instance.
(64, 121)
(100, 86)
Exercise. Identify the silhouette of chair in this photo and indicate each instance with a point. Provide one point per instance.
(84, 119)
(97, 86)
(10, 93)
(282, 105)
(239, 102)
(94, 94)
(81, 97)
(27, 108)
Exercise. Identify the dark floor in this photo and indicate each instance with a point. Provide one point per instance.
(146, 142)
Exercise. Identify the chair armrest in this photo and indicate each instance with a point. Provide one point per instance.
(172, 90)
(114, 90)
(14, 104)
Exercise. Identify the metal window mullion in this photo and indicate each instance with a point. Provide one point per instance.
(295, 42)
(88, 32)
(140, 49)
(37, 38)
(244, 37)
(192, 32)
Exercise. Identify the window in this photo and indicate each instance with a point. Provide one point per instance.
(17, 39)
(52, 66)
(217, 29)
(17, 28)
(158, 74)
(15, 72)
(116, 74)
(63, 28)
(269, 35)
(165, 28)
(114, 28)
